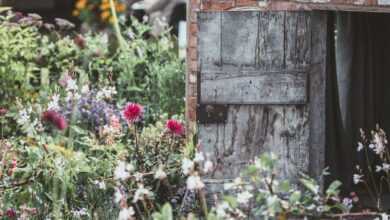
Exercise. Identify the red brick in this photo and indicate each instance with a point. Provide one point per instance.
(192, 53)
(192, 65)
(191, 108)
(192, 41)
(217, 5)
(193, 28)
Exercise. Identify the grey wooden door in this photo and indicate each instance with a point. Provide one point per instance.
(262, 89)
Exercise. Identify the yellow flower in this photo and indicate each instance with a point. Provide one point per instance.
(120, 7)
(105, 15)
(104, 6)
(81, 4)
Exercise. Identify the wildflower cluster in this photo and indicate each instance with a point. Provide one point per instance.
(259, 193)
(91, 145)
(373, 172)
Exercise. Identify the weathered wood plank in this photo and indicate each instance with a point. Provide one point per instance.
(252, 130)
(317, 93)
(271, 41)
(298, 38)
(239, 37)
(260, 88)
(210, 57)
(262, 68)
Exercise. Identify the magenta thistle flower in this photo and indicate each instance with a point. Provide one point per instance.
(133, 112)
(55, 119)
(175, 127)
(11, 213)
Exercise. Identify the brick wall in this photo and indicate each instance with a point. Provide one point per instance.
(192, 66)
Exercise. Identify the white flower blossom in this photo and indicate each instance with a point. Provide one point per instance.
(238, 181)
(244, 197)
(121, 172)
(140, 193)
(24, 116)
(199, 157)
(347, 202)
(130, 167)
(117, 196)
(378, 146)
(138, 176)
(100, 184)
(194, 182)
(160, 174)
(54, 103)
(187, 166)
(222, 209)
(71, 85)
(359, 147)
(208, 167)
(106, 93)
(357, 178)
(126, 213)
(80, 213)
(85, 89)
(386, 167)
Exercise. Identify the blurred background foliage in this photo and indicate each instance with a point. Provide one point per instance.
(36, 54)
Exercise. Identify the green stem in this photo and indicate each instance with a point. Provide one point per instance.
(203, 202)
(370, 174)
(117, 29)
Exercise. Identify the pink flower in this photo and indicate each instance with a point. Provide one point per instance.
(3, 111)
(175, 127)
(12, 168)
(63, 81)
(133, 112)
(56, 119)
(115, 123)
(14, 163)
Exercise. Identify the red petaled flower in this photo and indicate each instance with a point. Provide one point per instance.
(56, 119)
(11, 213)
(3, 111)
(175, 127)
(133, 112)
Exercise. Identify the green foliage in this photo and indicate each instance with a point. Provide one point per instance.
(18, 69)
(259, 193)
(145, 69)
(166, 213)
(64, 172)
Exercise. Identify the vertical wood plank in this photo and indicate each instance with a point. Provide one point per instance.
(239, 36)
(298, 39)
(271, 41)
(210, 40)
(317, 94)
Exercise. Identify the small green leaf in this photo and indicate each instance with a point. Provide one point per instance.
(295, 197)
(333, 189)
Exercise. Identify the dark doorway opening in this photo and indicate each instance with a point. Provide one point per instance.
(358, 92)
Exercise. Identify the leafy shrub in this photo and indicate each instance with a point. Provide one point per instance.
(35, 56)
